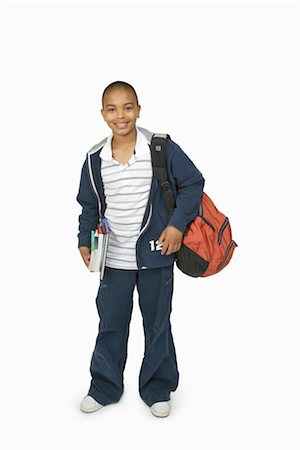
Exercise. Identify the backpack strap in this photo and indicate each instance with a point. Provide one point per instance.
(158, 144)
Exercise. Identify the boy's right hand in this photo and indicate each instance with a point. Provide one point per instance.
(86, 254)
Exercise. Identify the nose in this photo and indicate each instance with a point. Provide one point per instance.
(120, 113)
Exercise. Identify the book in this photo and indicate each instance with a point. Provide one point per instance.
(99, 245)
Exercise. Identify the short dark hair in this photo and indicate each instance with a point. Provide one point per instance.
(119, 84)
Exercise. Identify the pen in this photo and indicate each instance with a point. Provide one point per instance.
(105, 225)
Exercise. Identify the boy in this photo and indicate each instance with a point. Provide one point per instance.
(143, 242)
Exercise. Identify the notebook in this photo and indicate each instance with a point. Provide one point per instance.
(99, 244)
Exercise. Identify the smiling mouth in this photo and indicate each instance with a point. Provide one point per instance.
(122, 125)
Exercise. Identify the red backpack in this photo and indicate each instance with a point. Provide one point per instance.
(207, 245)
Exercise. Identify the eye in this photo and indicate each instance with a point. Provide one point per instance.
(129, 107)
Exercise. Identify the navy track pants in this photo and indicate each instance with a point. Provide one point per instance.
(158, 374)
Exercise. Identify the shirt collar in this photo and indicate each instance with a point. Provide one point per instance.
(141, 146)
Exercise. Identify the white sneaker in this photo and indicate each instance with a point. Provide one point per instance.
(161, 409)
(89, 404)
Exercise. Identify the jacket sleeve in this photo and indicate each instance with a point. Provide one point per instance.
(190, 182)
(89, 217)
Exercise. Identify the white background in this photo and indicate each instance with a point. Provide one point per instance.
(220, 78)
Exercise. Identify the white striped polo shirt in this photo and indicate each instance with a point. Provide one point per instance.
(126, 189)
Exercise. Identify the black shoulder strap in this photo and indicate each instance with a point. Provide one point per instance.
(158, 143)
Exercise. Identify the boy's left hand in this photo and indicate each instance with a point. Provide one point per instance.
(172, 238)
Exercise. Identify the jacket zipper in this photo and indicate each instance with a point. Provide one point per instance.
(94, 187)
(151, 195)
(141, 232)
(147, 223)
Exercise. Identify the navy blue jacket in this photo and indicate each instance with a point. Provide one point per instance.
(181, 173)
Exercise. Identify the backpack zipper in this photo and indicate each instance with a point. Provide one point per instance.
(207, 223)
(226, 254)
(222, 229)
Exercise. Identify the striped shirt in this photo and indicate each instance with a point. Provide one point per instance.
(126, 189)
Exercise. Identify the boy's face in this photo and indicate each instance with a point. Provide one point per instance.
(120, 111)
